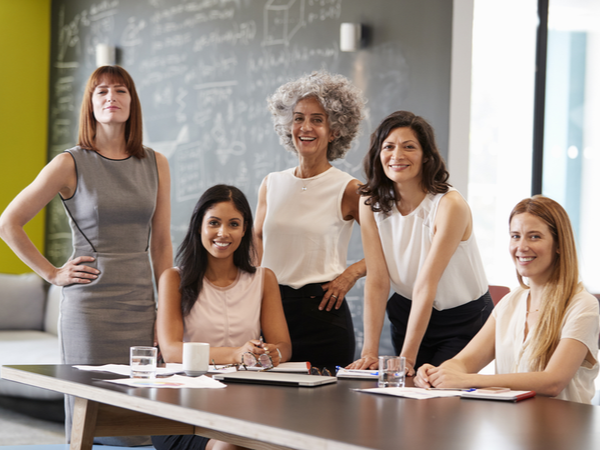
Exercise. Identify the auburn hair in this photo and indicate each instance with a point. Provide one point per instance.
(88, 122)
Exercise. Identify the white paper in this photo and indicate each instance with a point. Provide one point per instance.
(172, 382)
(125, 370)
(416, 393)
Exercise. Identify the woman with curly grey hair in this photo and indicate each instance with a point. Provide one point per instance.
(305, 215)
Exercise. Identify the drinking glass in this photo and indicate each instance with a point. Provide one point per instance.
(391, 371)
(142, 361)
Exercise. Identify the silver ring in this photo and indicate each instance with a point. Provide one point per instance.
(280, 357)
(334, 296)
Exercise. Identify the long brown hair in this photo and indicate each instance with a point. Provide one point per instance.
(379, 189)
(563, 283)
(87, 120)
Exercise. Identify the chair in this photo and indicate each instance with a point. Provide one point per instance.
(497, 292)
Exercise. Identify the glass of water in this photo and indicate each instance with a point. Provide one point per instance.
(391, 371)
(142, 361)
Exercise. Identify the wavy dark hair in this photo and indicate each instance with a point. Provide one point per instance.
(379, 189)
(192, 257)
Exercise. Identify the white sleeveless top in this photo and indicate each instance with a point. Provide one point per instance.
(305, 236)
(406, 241)
(227, 316)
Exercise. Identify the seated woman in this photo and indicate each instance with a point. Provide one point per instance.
(544, 334)
(215, 295)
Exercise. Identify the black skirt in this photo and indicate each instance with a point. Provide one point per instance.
(324, 338)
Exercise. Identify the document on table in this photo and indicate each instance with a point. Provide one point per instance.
(170, 369)
(124, 369)
(173, 382)
(415, 393)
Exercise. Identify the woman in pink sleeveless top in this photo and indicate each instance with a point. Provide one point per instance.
(216, 295)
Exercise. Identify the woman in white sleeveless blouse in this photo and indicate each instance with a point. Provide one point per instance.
(417, 233)
(305, 215)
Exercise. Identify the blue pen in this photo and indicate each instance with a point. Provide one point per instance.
(362, 372)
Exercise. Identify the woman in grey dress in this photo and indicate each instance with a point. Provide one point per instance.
(117, 195)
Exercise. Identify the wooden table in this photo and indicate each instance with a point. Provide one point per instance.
(327, 417)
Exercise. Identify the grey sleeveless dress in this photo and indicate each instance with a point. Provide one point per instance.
(110, 216)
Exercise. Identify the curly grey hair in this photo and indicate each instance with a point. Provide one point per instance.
(341, 100)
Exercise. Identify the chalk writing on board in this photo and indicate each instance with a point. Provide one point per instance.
(282, 20)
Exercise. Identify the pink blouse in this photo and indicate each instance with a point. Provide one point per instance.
(227, 316)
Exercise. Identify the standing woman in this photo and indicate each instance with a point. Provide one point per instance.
(305, 215)
(417, 234)
(117, 195)
(543, 335)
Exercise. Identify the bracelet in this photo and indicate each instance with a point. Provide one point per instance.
(280, 357)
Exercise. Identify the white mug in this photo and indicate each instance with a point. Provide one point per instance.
(195, 358)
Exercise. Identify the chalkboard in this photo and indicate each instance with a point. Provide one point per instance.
(204, 68)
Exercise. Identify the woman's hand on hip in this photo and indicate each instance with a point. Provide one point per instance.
(335, 291)
(74, 272)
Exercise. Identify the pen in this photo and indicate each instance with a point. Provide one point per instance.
(355, 370)
(450, 389)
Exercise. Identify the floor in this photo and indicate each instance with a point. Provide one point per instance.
(19, 429)
(22, 432)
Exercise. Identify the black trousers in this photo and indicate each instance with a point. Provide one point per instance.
(180, 442)
(448, 332)
(325, 338)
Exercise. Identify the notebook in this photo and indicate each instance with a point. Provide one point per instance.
(276, 378)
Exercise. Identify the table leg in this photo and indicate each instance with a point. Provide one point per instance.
(85, 413)
(92, 419)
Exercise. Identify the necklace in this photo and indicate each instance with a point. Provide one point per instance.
(527, 311)
(305, 181)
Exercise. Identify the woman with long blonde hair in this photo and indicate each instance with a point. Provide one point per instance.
(544, 334)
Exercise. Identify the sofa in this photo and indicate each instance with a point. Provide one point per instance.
(29, 335)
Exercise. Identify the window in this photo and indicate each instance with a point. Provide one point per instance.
(571, 133)
(502, 96)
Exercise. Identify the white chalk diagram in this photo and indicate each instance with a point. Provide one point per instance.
(282, 20)
(226, 147)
